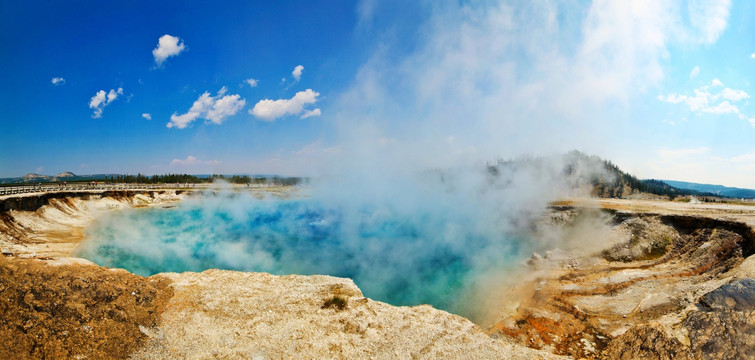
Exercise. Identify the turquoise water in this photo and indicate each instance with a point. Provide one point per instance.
(429, 254)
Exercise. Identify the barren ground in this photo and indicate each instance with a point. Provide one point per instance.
(642, 292)
(642, 279)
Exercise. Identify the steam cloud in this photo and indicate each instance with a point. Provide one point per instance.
(483, 80)
(433, 239)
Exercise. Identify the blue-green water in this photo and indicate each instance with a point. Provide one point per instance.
(432, 254)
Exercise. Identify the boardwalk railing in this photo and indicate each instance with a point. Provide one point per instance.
(21, 189)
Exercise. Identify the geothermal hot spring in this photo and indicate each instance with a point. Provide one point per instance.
(425, 247)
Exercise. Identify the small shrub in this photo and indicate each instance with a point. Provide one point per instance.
(336, 302)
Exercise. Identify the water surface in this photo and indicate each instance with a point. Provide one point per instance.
(430, 255)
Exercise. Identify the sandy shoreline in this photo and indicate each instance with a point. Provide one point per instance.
(53, 231)
(50, 225)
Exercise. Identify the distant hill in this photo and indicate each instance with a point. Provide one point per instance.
(33, 176)
(64, 176)
(618, 183)
(602, 177)
(718, 190)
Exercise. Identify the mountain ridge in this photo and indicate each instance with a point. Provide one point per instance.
(719, 190)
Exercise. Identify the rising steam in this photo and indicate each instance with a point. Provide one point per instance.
(479, 81)
(428, 237)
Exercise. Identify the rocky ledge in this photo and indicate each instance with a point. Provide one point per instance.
(633, 284)
(664, 287)
(55, 306)
(66, 309)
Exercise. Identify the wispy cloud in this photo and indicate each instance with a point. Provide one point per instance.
(744, 158)
(102, 99)
(212, 108)
(311, 113)
(709, 18)
(58, 81)
(709, 99)
(480, 69)
(252, 82)
(695, 71)
(167, 46)
(270, 110)
(147, 116)
(468, 71)
(191, 160)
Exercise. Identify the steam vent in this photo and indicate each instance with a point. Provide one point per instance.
(670, 280)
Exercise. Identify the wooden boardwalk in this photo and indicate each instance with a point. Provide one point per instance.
(37, 188)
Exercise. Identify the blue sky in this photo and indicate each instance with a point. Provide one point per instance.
(661, 88)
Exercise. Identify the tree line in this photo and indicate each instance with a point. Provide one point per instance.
(186, 178)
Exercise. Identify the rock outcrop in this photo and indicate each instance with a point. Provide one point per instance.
(669, 287)
(226, 314)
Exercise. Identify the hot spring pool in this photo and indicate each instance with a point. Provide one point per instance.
(427, 255)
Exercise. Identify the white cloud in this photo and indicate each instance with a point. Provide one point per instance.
(212, 108)
(251, 81)
(147, 116)
(753, 56)
(58, 81)
(310, 113)
(97, 99)
(191, 160)
(672, 98)
(102, 99)
(733, 95)
(112, 94)
(695, 71)
(225, 106)
(722, 108)
(709, 18)
(752, 122)
(297, 72)
(270, 110)
(481, 67)
(542, 61)
(167, 46)
(706, 101)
